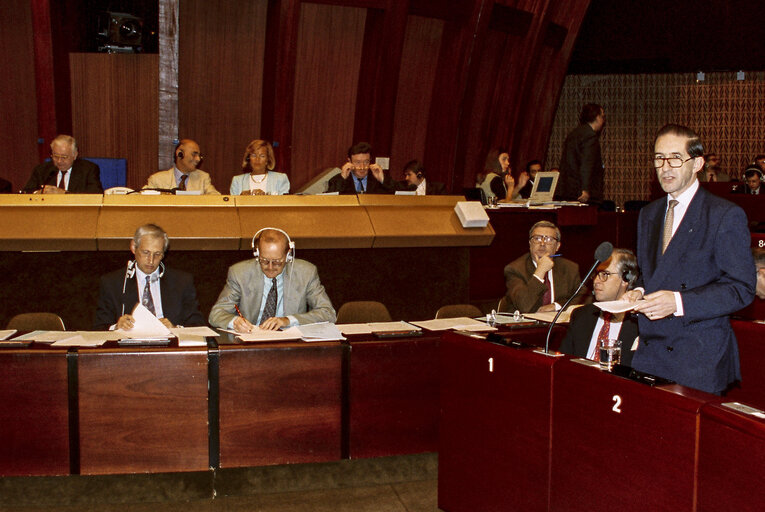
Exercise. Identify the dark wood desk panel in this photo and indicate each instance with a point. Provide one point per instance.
(636, 458)
(731, 454)
(279, 403)
(495, 427)
(34, 415)
(751, 348)
(143, 410)
(393, 387)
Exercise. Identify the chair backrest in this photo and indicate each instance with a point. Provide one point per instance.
(36, 321)
(362, 311)
(113, 171)
(318, 185)
(458, 310)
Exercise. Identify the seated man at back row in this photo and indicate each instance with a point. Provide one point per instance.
(184, 174)
(589, 324)
(354, 174)
(541, 280)
(273, 290)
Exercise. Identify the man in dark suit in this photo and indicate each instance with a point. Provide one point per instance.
(167, 293)
(589, 324)
(532, 168)
(415, 181)
(540, 280)
(581, 165)
(354, 175)
(697, 269)
(65, 173)
(752, 182)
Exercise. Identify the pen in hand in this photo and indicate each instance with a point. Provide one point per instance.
(246, 323)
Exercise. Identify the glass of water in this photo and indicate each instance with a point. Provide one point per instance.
(610, 352)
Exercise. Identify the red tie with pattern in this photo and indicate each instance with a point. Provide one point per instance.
(62, 181)
(547, 297)
(603, 334)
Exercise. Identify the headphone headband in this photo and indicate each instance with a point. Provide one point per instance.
(290, 243)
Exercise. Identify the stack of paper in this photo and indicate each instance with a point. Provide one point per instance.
(373, 327)
(462, 324)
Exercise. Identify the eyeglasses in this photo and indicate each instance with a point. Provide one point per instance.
(55, 156)
(673, 161)
(605, 275)
(274, 263)
(542, 239)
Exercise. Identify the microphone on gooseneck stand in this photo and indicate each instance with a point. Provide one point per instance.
(602, 253)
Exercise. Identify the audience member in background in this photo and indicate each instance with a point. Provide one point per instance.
(712, 170)
(496, 165)
(354, 174)
(65, 172)
(752, 182)
(532, 168)
(167, 293)
(581, 165)
(541, 280)
(759, 161)
(184, 175)
(259, 177)
(5, 187)
(415, 181)
(759, 262)
(589, 324)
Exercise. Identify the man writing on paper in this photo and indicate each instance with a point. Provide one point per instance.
(589, 324)
(540, 280)
(697, 269)
(273, 290)
(168, 293)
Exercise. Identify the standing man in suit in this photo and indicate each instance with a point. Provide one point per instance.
(697, 269)
(540, 280)
(273, 290)
(167, 293)
(184, 175)
(581, 166)
(354, 174)
(65, 172)
(415, 181)
(589, 324)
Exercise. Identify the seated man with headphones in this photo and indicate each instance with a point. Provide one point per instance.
(273, 290)
(167, 293)
(414, 180)
(589, 324)
(184, 175)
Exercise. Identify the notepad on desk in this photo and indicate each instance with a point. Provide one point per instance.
(461, 323)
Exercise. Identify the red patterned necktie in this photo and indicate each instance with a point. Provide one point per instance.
(547, 297)
(62, 181)
(603, 334)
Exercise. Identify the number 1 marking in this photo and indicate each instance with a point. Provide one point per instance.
(491, 365)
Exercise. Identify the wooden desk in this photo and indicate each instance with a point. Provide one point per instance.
(751, 348)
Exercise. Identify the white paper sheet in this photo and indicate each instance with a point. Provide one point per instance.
(615, 306)
(146, 325)
(393, 326)
(189, 340)
(258, 334)
(462, 323)
(321, 331)
(193, 331)
(548, 316)
(78, 340)
(4, 335)
(347, 329)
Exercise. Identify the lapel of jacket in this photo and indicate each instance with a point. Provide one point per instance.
(130, 299)
(291, 293)
(252, 292)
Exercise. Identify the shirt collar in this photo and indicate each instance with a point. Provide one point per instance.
(178, 175)
(685, 198)
(141, 277)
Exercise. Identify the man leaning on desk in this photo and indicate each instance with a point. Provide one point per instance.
(65, 173)
(541, 280)
(168, 293)
(273, 290)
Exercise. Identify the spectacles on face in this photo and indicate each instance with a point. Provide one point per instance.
(542, 239)
(673, 161)
(605, 275)
(265, 262)
(56, 156)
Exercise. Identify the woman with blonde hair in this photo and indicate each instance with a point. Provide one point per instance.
(259, 177)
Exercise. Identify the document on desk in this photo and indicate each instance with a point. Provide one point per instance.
(373, 327)
(461, 323)
(615, 306)
(202, 331)
(78, 340)
(258, 334)
(190, 340)
(45, 336)
(549, 316)
(320, 331)
(146, 325)
(4, 335)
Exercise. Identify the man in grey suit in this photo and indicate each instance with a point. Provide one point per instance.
(273, 290)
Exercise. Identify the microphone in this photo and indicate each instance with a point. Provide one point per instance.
(602, 253)
(129, 273)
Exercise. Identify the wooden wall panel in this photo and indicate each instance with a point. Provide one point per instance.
(18, 105)
(115, 109)
(220, 81)
(419, 62)
(326, 81)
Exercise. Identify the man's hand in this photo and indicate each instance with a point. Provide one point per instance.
(632, 296)
(52, 189)
(377, 172)
(346, 169)
(167, 323)
(242, 325)
(544, 265)
(657, 305)
(523, 179)
(257, 192)
(125, 322)
(274, 323)
(585, 197)
(546, 308)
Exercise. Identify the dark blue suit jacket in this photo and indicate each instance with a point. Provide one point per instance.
(709, 262)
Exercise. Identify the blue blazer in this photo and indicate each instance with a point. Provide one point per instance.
(277, 184)
(709, 262)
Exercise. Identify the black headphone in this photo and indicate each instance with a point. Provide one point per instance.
(419, 175)
(179, 154)
(290, 244)
(630, 273)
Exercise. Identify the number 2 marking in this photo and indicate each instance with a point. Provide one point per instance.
(617, 402)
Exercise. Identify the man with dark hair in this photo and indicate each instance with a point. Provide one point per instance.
(589, 324)
(752, 181)
(532, 168)
(65, 173)
(712, 169)
(185, 174)
(414, 180)
(581, 164)
(541, 280)
(354, 174)
(697, 269)
(167, 293)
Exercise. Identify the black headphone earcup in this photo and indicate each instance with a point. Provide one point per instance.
(180, 154)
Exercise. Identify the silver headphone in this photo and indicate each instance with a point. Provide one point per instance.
(290, 244)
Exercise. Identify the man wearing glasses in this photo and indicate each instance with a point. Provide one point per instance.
(541, 280)
(697, 269)
(273, 290)
(355, 178)
(589, 324)
(65, 172)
